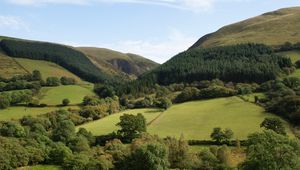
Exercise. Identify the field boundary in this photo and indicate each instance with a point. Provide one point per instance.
(153, 120)
(20, 65)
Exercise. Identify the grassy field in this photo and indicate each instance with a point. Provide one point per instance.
(18, 112)
(55, 95)
(9, 68)
(273, 28)
(107, 124)
(251, 97)
(41, 167)
(48, 69)
(197, 119)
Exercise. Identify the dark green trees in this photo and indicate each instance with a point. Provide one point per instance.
(131, 126)
(269, 150)
(274, 124)
(239, 63)
(221, 136)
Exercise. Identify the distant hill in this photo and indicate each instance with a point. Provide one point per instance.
(115, 62)
(272, 28)
(91, 64)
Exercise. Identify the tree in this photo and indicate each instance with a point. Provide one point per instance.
(4, 102)
(11, 129)
(274, 124)
(269, 150)
(36, 75)
(64, 132)
(220, 135)
(52, 81)
(67, 80)
(147, 157)
(104, 91)
(131, 126)
(165, 103)
(65, 102)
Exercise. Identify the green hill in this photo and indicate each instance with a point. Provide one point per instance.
(195, 119)
(117, 63)
(272, 28)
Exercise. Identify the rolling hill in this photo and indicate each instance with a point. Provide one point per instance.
(272, 28)
(117, 63)
(86, 63)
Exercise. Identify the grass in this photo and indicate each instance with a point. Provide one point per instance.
(195, 120)
(15, 113)
(107, 124)
(41, 167)
(251, 97)
(48, 69)
(9, 68)
(274, 28)
(55, 95)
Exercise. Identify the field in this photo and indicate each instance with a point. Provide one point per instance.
(197, 119)
(18, 112)
(107, 124)
(48, 69)
(55, 95)
(9, 68)
(41, 167)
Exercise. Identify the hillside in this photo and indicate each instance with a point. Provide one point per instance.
(237, 63)
(272, 28)
(117, 63)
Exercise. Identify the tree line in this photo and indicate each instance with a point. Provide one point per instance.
(67, 57)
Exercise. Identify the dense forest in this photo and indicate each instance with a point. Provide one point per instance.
(73, 60)
(240, 63)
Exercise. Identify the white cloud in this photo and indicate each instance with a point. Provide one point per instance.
(159, 51)
(12, 22)
(193, 5)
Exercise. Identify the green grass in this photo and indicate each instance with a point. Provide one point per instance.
(48, 69)
(107, 124)
(55, 95)
(15, 113)
(274, 28)
(251, 97)
(195, 120)
(41, 167)
(8, 67)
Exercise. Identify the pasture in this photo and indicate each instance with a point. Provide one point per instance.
(55, 95)
(196, 120)
(41, 167)
(15, 113)
(107, 124)
(47, 69)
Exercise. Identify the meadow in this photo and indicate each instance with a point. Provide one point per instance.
(9, 68)
(17, 112)
(47, 69)
(195, 120)
(55, 95)
(107, 124)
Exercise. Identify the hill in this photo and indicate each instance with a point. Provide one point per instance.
(236, 63)
(117, 63)
(195, 119)
(272, 28)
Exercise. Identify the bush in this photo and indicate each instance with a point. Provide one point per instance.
(67, 81)
(65, 102)
(52, 81)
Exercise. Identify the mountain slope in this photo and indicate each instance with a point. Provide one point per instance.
(115, 62)
(272, 28)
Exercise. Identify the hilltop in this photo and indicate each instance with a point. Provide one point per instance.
(117, 63)
(272, 28)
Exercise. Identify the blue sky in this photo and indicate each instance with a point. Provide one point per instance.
(156, 29)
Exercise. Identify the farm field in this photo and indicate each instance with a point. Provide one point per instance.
(41, 167)
(18, 112)
(195, 120)
(55, 95)
(48, 69)
(107, 124)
